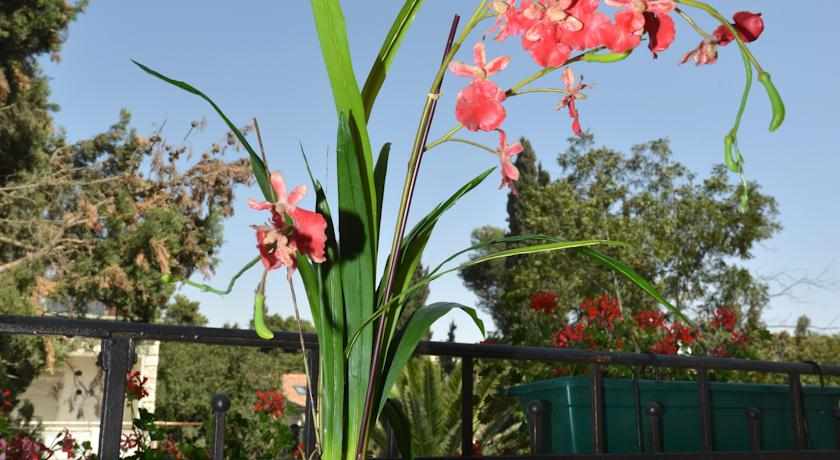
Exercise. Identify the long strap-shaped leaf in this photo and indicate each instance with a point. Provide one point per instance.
(415, 243)
(358, 228)
(396, 418)
(411, 335)
(328, 307)
(257, 166)
(379, 70)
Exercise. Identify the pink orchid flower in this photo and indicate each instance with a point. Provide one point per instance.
(590, 35)
(509, 20)
(506, 153)
(651, 16)
(293, 229)
(573, 93)
(541, 42)
(479, 106)
(555, 11)
(705, 53)
(482, 69)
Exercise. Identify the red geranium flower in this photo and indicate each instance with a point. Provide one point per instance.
(68, 444)
(270, 402)
(135, 385)
(724, 318)
(544, 301)
(682, 333)
(667, 345)
(570, 335)
(650, 319)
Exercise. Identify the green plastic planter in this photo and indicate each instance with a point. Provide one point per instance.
(570, 426)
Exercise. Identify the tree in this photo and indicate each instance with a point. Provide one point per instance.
(684, 233)
(28, 29)
(189, 375)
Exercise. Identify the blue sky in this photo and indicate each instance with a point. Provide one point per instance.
(261, 59)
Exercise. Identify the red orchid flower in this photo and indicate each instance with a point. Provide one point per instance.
(482, 69)
(749, 25)
(506, 153)
(573, 93)
(293, 229)
(639, 16)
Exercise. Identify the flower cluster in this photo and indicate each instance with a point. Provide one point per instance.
(291, 229)
(23, 447)
(135, 386)
(749, 27)
(601, 323)
(270, 402)
(550, 31)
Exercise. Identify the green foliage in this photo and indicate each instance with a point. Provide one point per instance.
(683, 233)
(189, 375)
(28, 29)
(431, 399)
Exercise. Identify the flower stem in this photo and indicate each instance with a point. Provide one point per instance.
(472, 143)
(418, 147)
(693, 24)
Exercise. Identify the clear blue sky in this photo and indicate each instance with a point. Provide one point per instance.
(261, 59)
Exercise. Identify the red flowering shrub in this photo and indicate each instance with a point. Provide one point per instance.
(270, 402)
(6, 403)
(544, 301)
(602, 324)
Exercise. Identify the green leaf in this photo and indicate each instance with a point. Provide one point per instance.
(537, 249)
(327, 304)
(380, 174)
(395, 417)
(637, 279)
(411, 335)
(357, 263)
(379, 70)
(415, 243)
(257, 166)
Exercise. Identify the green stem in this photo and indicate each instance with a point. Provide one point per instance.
(540, 90)
(693, 24)
(474, 144)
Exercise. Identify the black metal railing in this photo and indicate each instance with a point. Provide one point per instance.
(118, 339)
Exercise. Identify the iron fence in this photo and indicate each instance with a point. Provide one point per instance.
(118, 340)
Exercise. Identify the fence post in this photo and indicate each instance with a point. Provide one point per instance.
(466, 406)
(598, 437)
(754, 426)
(704, 396)
(116, 362)
(539, 426)
(221, 404)
(654, 411)
(800, 429)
